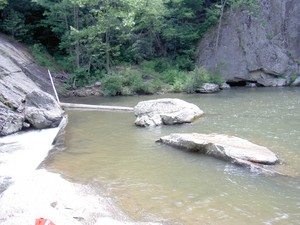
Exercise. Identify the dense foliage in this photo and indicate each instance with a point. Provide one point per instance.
(114, 40)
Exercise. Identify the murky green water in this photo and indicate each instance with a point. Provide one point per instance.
(158, 183)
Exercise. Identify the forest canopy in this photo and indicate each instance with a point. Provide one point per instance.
(90, 38)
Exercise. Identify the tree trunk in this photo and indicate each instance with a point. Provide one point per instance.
(68, 29)
(107, 52)
(76, 26)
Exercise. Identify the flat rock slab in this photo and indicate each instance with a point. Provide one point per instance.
(167, 111)
(230, 148)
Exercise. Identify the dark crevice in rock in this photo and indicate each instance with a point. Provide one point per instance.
(239, 83)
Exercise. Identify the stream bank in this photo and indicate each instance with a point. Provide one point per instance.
(29, 191)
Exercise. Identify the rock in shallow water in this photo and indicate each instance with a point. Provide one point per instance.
(41, 110)
(209, 88)
(166, 111)
(230, 148)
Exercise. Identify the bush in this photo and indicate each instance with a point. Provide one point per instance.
(112, 85)
(178, 86)
(162, 65)
(156, 66)
(81, 76)
(199, 76)
(173, 76)
(66, 63)
(184, 62)
(43, 58)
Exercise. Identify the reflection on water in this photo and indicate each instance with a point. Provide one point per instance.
(154, 181)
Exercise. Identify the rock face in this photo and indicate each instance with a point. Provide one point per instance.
(225, 147)
(262, 48)
(165, 111)
(41, 110)
(10, 121)
(296, 82)
(20, 79)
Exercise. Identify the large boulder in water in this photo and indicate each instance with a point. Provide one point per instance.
(166, 111)
(229, 148)
(42, 110)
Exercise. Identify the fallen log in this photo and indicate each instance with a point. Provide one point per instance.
(73, 106)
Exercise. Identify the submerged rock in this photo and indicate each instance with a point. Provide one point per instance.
(229, 148)
(166, 111)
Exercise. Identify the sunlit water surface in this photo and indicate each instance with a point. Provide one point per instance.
(154, 182)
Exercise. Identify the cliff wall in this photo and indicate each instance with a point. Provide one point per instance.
(25, 91)
(262, 49)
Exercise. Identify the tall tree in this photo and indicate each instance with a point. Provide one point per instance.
(20, 18)
(182, 29)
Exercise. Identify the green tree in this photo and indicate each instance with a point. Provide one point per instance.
(2, 4)
(61, 16)
(20, 18)
(183, 29)
(146, 38)
(14, 24)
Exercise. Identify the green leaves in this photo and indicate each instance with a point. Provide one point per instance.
(2, 4)
(14, 24)
(93, 36)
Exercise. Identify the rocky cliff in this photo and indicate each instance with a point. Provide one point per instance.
(24, 91)
(262, 49)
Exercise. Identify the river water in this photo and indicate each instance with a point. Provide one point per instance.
(154, 182)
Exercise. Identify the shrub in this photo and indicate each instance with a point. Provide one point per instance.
(178, 86)
(126, 91)
(156, 66)
(195, 79)
(43, 58)
(199, 76)
(66, 63)
(81, 76)
(162, 65)
(170, 76)
(148, 66)
(184, 62)
(140, 86)
(112, 85)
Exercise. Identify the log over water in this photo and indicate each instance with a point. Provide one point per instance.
(95, 107)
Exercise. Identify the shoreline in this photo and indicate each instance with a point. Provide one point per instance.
(34, 193)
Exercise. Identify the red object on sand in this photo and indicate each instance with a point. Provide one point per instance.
(42, 221)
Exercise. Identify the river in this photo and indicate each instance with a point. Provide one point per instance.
(154, 182)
